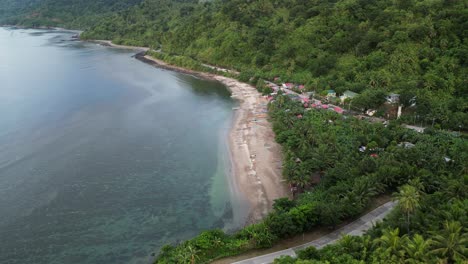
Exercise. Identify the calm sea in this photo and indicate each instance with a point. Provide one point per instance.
(104, 159)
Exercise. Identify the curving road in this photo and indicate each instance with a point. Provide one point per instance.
(356, 228)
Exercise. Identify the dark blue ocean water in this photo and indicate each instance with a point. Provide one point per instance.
(103, 159)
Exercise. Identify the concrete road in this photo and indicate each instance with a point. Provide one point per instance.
(356, 228)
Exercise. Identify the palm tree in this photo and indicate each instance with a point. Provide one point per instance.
(303, 144)
(301, 180)
(355, 245)
(408, 201)
(324, 157)
(418, 249)
(281, 100)
(348, 242)
(192, 252)
(366, 242)
(183, 256)
(451, 242)
(418, 184)
(364, 189)
(391, 242)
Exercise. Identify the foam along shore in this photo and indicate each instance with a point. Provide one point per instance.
(256, 159)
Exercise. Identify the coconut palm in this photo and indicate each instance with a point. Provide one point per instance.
(281, 100)
(303, 144)
(417, 249)
(391, 242)
(324, 157)
(353, 245)
(408, 199)
(183, 256)
(366, 242)
(364, 189)
(451, 243)
(301, 180)
(418, 184)
(192, 253)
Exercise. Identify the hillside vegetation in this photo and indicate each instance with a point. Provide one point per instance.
(417, 48)
(76, 14)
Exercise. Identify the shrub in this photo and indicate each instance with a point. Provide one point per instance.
(309, 253)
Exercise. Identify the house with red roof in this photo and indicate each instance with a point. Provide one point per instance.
(339, 110)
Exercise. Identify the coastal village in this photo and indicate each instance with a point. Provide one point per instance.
(310, 101)
(341, 104)
(331, 102)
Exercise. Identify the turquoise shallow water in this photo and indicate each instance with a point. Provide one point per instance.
(103, 159)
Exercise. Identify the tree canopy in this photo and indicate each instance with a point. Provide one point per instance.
(414, 48)
(427, 176)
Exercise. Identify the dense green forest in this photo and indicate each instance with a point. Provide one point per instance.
(11, 8)
(76, 14)
(427, 172)
(416, 48)
(144, 25)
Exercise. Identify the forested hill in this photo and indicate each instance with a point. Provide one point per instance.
(11, 8)
(77, 14)
(417, 48)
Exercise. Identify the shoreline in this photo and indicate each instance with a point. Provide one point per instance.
(108, 43)
(255, 157)
(255, 173)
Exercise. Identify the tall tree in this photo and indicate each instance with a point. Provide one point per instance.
(417, 249)
(391, 243)
(408, 199)
(451, 243)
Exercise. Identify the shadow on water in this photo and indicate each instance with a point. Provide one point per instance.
(200, 87)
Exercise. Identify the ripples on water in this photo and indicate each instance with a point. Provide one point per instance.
(104, 159)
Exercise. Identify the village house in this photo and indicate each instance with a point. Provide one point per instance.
(339, 110)
(393, 98)
(406, 145)
(331, 94)
(288, 85)
(348, 94)
(371, 112)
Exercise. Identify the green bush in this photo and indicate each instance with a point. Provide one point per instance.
(308, 253)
